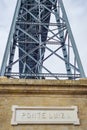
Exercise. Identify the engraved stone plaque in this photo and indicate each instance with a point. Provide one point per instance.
(45, 115)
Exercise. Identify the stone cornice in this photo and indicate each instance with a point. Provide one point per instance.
(22, 86)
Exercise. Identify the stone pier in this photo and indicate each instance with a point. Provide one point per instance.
(42, 93)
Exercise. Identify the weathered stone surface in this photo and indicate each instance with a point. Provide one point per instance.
(42, 93)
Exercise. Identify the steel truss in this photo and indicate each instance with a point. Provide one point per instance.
(41, 32)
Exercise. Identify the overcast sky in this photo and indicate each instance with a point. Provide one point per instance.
(77, 15)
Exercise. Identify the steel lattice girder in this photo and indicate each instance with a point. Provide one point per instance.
(31, 33)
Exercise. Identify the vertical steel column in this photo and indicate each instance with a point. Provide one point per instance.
(40, 41)
(9, 42)
(64, 50)
(72, 41)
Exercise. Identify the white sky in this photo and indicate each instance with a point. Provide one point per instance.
(77, 15)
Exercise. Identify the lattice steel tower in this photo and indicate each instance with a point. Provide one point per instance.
(40, 43)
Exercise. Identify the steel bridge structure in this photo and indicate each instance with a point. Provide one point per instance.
(40, 42)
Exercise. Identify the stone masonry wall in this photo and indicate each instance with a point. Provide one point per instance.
(42, 93)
